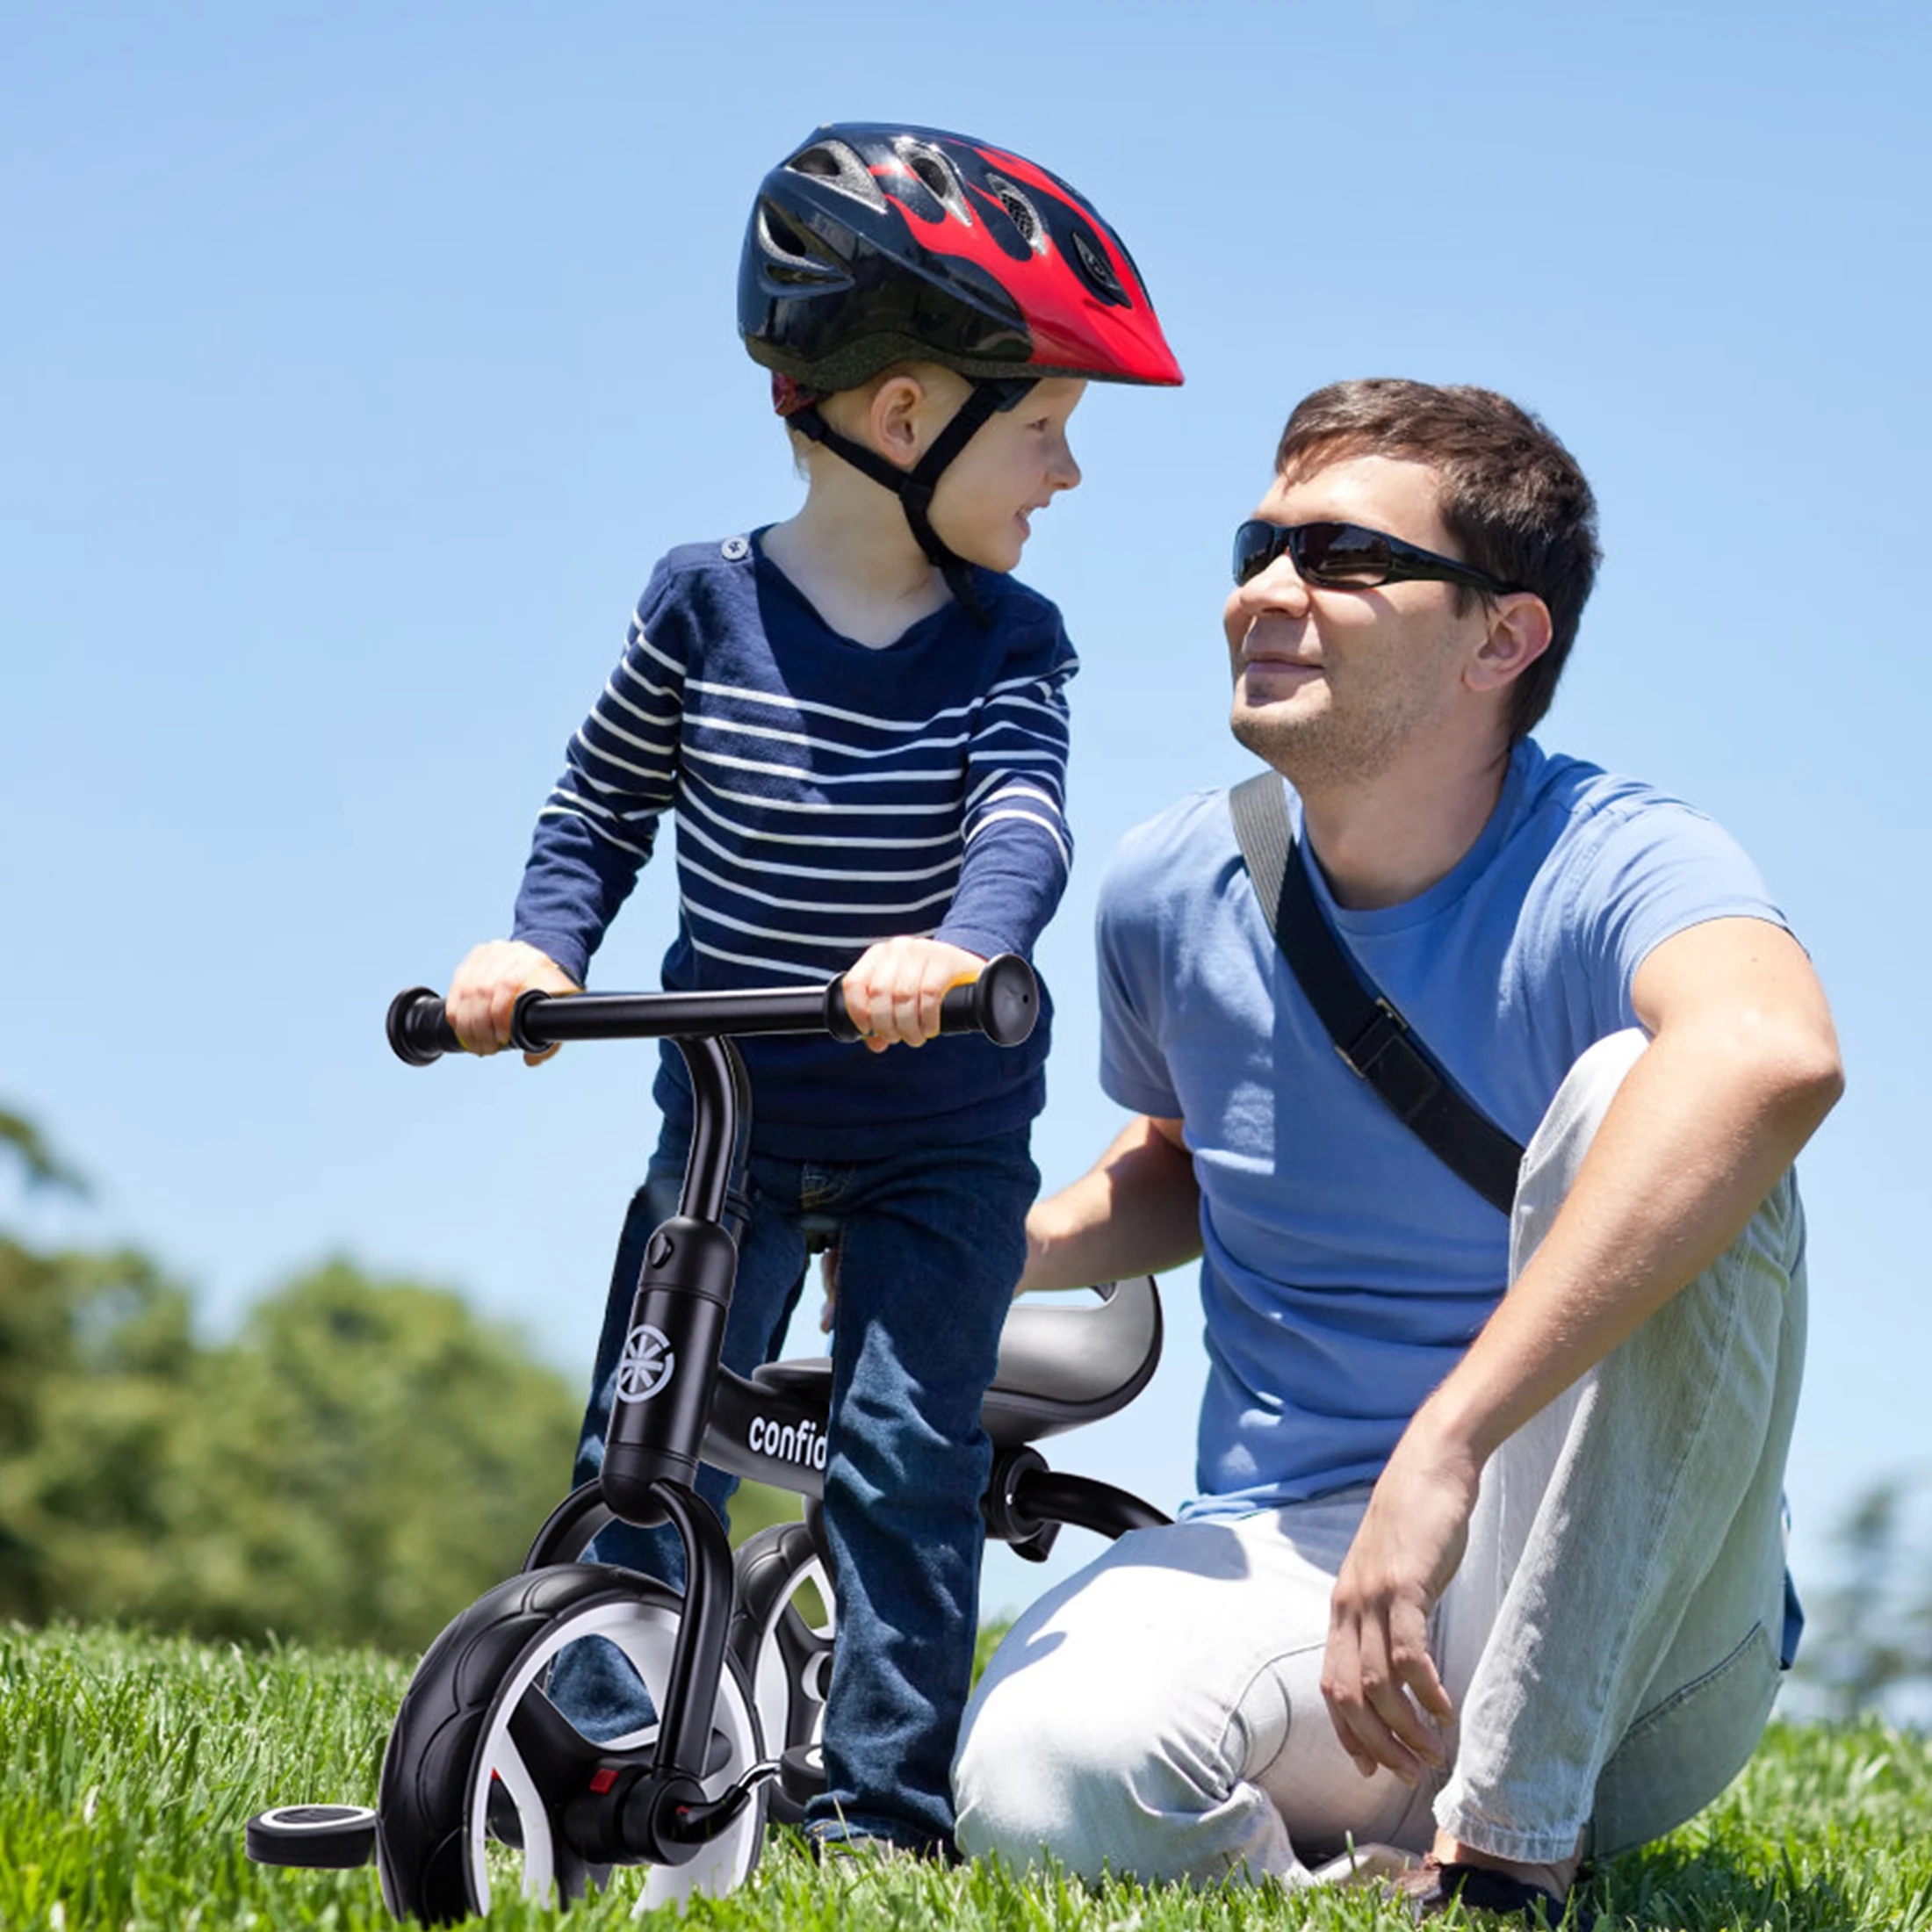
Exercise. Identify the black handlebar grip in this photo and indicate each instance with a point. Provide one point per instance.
(419, 1033)
(1003, 1003)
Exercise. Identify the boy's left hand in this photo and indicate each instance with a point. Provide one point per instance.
(894, 992)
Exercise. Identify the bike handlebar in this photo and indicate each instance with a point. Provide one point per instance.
(1003, 1003)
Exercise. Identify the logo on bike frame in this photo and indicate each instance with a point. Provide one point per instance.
(802, 1443)
(647, 1365)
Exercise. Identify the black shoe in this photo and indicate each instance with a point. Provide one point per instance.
(1433, 1887)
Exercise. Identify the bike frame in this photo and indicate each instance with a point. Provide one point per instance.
(676, 1403)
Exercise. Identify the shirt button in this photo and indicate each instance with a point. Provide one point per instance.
(734, 549)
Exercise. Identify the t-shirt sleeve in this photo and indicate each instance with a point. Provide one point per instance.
(1128, 940)
(1655, 874)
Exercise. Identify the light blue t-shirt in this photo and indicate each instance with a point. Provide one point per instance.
(1346, 1268)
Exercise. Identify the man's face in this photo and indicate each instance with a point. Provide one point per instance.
(1333, 685)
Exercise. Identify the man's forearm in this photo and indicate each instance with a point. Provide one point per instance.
(1135, 1211)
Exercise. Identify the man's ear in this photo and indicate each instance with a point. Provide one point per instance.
(897, 419)
(1519, 635)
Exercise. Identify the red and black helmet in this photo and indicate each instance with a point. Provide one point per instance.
(875, 244)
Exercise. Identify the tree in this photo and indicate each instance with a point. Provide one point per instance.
(366, 1458)
(42, 1166)
(1869, 1646)
(362, 1461)
(95, 1350)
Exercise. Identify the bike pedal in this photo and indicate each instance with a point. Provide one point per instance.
(319, 1837)
(801, 1772)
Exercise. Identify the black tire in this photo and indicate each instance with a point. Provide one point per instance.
(451, 1769)
(784, 1659)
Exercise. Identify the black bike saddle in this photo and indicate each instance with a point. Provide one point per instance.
(1060, 1366)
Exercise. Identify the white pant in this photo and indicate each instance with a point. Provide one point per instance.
(1609, 1641)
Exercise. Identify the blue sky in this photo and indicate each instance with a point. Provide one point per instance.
(355, 362)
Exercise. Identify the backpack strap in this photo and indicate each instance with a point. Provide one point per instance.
(1375, 1042)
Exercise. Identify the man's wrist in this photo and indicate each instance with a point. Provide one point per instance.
(1442, 1438)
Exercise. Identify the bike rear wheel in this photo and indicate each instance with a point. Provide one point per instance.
(783, 1640)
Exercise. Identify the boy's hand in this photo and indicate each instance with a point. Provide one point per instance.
(483, 994)
(894, 991)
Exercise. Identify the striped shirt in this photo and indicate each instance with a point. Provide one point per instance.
(826, 797)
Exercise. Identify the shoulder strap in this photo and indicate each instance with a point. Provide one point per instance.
(1375, 1042)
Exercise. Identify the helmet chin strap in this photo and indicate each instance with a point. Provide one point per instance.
(914, 488)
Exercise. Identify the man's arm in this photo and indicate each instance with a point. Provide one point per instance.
(1741, 1067)
(1135, 1211)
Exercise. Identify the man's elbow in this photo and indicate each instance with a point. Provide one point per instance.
(1800, 1071)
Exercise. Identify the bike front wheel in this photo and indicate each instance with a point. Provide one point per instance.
(480, 1764)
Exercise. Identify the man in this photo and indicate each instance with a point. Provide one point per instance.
(1496, 1575)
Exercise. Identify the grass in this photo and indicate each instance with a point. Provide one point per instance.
(129, 1764)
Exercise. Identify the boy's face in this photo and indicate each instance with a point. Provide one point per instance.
(1016, 465)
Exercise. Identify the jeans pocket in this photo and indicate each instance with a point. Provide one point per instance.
(1682, 1752)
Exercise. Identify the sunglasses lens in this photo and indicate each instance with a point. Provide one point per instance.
(1257, 545)
(1344, 554)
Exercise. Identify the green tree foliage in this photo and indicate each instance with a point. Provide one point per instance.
(365, 1460)
(1870, 1645)
(95, 1353)
(41, 1166)
(359, 1463)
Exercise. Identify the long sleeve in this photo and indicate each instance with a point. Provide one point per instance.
(599, 824)
(1018, 848)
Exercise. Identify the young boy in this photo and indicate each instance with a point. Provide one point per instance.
(859, 719)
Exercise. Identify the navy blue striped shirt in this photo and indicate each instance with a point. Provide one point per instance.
(826, 796)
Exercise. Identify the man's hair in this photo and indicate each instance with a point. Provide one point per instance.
(1513, 499)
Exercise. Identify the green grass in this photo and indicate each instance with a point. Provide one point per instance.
(128, 1764)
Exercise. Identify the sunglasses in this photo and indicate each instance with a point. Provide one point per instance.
(1349, 556)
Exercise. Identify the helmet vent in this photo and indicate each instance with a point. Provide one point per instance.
(789, 255)
(1099, 271)
(832, 162)
(934, 173)
(1023, 214)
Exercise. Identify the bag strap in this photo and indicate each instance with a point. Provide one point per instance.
(1375, 1042)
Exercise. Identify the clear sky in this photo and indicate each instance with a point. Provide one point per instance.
(356, 361)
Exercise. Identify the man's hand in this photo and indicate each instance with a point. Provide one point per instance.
(894, 992)
(483, 994)
(1380, 1681)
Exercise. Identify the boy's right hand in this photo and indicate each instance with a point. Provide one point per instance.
(483, 994)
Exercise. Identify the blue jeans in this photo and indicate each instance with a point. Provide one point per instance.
(931, 1242)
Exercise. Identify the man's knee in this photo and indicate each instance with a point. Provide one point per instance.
(1045, 1766)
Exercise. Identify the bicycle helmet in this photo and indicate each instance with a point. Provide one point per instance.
(875, 244)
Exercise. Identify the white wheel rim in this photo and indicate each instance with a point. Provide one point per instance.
(646, 1634)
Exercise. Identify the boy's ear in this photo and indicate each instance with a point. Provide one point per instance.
(896, 419)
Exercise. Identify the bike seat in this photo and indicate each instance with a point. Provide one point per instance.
(1059, 1366)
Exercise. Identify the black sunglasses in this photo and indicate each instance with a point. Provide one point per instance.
(1349, 556)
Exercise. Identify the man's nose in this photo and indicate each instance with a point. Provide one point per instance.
(1279, 586)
